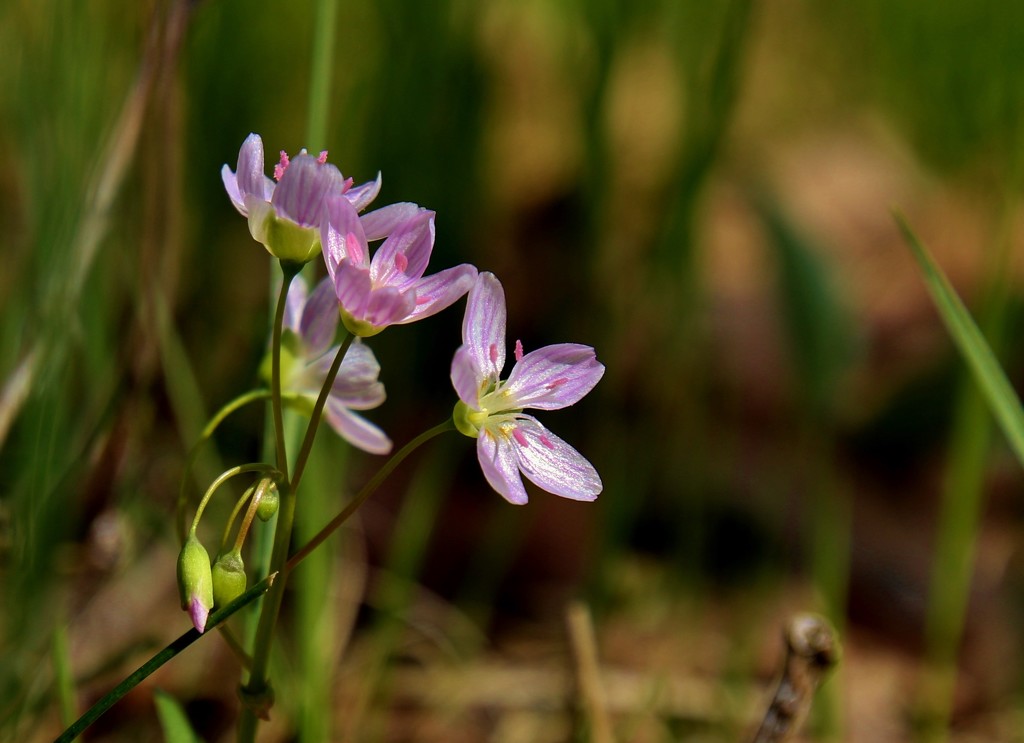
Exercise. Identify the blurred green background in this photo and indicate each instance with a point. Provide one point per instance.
(700, 190)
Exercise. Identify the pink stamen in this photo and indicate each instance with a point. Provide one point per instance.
(546, 441)
(520, 438)
(519, 350)
(401, 262)
(322, 157)
(557, 383)
(422, 300)
(281, 166)
(493, 351)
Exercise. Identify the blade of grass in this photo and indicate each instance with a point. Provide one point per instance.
(63, 676)
(1000, 395)
(173, 720)
(960, 512)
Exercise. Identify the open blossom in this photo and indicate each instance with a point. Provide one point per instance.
(509, 442)
(310, 324)
(390, 288)
(285, 215)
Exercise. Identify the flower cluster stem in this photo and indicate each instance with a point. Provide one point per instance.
(257, 684)
(289, 272)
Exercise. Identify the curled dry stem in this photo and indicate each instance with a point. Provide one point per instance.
(812, 649)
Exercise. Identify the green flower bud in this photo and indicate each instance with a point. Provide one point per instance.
(270, 500)
(195, 581)
(228, 578)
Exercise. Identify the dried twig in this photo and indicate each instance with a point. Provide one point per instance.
(812, 648)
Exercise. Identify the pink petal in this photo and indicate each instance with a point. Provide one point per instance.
(554, 376)
(250, 174)
(342, 236)
(388, 306)
(483, 327)
(361, 196)
(319, 321)
(356, 384)
(498, 462)
(199, 613)
(466, 378)
(551, 464)
(296, 301)
(440, 290)
(227, 175)
(403, 257)
(352, 287)
(380, 223)
(355, 429)
(300, 194)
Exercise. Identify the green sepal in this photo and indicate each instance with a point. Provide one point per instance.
(358, 328)
(283, 238)
(461, 417)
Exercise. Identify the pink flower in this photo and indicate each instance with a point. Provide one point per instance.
(510, 442)
(310, 324)
(390, 288)
(285, 216)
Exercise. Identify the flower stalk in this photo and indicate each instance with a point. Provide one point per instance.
(289, 270)
(257, 685)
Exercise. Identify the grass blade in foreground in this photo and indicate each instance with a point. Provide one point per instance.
(968, 338)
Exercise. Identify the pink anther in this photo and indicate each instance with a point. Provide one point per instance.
(322, 157)
(557, 383)
(401, 262)
(520, 438)
(281, 166)
(519, 350)
(493, 352)
(546, 441)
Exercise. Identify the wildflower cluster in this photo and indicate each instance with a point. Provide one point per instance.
(320, 365)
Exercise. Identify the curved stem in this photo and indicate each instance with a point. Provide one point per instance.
(224, 477)
(207, 432)
(249, 493)
(250, 514)
(366, 492)
(290, 398)
(151, 665)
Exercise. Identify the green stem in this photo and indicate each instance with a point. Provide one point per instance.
(147, 668)
(257, 684)
(289, 272)
(224, 477)
(193, 453)
(366, 492)
(250, 514)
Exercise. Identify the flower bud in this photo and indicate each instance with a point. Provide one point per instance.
(195, 581)
(228, 578)
(269, 501)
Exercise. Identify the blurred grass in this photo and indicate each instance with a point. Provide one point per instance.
(581, 150)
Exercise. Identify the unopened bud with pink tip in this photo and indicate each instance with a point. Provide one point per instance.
(195, 581)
